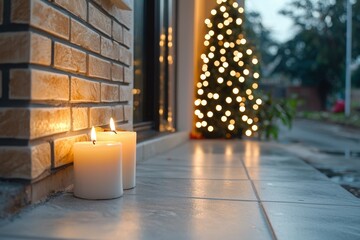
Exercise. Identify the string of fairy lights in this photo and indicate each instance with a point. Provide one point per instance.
(225, 96)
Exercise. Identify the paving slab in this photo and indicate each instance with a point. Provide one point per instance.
(285, 174)
(161, 171)
(198, 160)
(195, 188)
(276, 161)
(318, 192)
(313, 222)
(140, 217)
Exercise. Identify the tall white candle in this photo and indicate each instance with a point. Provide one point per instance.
(128, 140)
(98, 169)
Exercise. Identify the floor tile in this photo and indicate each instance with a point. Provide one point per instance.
(161, 171)
(139, 217)
(285, 174)
(313, 222)
(305, 191)
(202, 160)
(214, 189)
(276, 161)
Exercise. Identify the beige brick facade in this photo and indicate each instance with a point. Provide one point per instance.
(71, 68)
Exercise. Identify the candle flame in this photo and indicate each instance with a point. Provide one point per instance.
(112, 125)
(93, 135)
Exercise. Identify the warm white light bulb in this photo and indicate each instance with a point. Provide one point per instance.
(255, 61)
(200, 92)
(246, 71)
(235, 90)
(249, 52)
(242, 109)
(216, 96)
(228, 113)
(210, 128)
(218, 107)
(213, 12)
(256, 75)
(231, 127)
(241, 79)
(223, 119)
(210, 114)
(238, 21)
(207, 21)
(205, 83)
(220, 80)
(228, 100)
(198, 124)
(258, 101)
(244, 118)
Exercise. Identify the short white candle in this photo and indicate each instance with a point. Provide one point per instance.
(98, 169)
(128, 140)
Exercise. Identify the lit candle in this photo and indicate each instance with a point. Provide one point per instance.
(97, 169)
(128, 140)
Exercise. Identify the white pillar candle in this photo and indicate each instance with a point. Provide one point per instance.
(98, 169)
(128, 140)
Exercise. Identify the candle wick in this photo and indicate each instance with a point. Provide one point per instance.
(115, 131)
(94, 141)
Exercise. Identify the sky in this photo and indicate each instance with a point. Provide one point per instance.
(281, 26)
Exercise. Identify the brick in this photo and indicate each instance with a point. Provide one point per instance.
(20, 11)
(17, 47)
(117, 32)
(77, 7)
(80, 118)
(70, 59)
(126, 93)
(100, 116)
(109, 92)
(30, 84)
(118, 113)
(128, 38)
(123, 16)
(125, 56)
(128, 75)
(128, 112)
(99, 68)
(48, 121)
(84, 36)
(99, 20)
(84, 91)
(14, 123)
(63, 149)
(40, 51)
(1, 11)
(27, 162)
(117, 72)
(109, 49)
(47, 18)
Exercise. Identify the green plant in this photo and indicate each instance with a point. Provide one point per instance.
(274, 111)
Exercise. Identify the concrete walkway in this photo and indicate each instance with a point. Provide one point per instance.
(206, 190)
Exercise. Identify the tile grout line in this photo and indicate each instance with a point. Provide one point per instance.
(262, 209)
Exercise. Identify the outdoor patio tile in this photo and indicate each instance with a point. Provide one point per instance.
(213, 189)
(276, 161)
(307, 192)
(285, 174)
(161, 171)
(199, 160)
(139, 217)
(313, 222)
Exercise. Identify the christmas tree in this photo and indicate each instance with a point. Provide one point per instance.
(226, 105)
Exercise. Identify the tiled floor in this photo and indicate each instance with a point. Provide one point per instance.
(206, 190)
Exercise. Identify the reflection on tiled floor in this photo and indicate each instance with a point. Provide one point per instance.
(205, 190)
